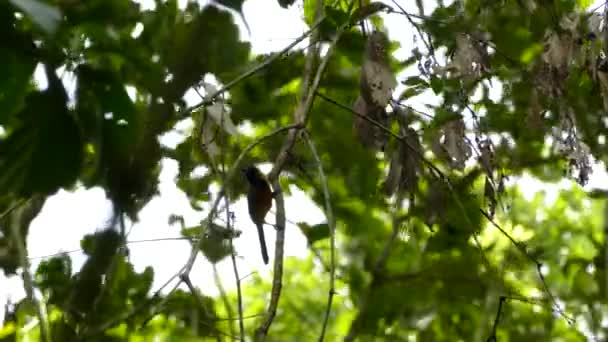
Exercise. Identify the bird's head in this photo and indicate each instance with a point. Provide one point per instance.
(253, 174)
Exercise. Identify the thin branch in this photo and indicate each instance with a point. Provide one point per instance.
(159, 307)
(28, 282)
(492, 337)
(224, 297)
(606, 248)
(237, 279)
(538, 264)
(417, 16)
(302, 111)
(229, 227)
(135, 310)
(379, 265)
(275, 294)
(239, 296)
(197, 296)
(177, 238)
(332, 231)
(300, 115)
(12, 208)
(209, 99)
(200, 302)
(429, 44)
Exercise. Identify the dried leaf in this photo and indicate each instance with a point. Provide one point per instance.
(535, 110)
(455, 145)
(221, 116)
(467, 60)
(412, 163)
(487, 158)
(435, 203)
(209, 132)
(393, 179)
(218, 111)
(370, 135)
(594, 24)
(377, 79)
(558, 50)
(490, 195)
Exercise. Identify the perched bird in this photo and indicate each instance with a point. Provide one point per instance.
(259, 200)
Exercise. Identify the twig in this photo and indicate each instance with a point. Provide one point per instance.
(127, 315)
(300, 115)
(178, 238)
(209, 99)
(197, 296)
(492, 337)
(606, 247)
(353, 331)
(429, 44)
(163, 301)
(12, 208)
(538, 264)
(200, 302)
(239, 296)
(332, 232)
(229, 227)
(235, 269)
(417, 16)
(224, 297)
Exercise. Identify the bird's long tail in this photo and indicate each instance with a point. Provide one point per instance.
(262, 243)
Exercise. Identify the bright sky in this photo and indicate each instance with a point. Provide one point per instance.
(67, 216)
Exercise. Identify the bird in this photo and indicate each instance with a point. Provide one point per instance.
(259, 201)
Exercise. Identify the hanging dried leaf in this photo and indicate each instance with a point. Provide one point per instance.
(466, 60)
(558, 50)
(451, 146)
(435, 203)
(400, 156)
(377, 79)
(370, 135)
(567, 142)
(594, 24)
(208, 136)
(490, 195)
(393, 179)
(412, 163)
(487, 157)
(218, 112)
(535, 112)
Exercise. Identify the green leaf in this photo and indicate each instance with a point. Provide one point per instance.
(45, 151)
(314, 233)
(415, 81)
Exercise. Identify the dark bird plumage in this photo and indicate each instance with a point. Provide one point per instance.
(259, 200)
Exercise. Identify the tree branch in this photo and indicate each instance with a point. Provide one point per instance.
(301, 114)
(538, 264)
(224, 297)
(332, 232)
(377, 275)
(492, 337)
